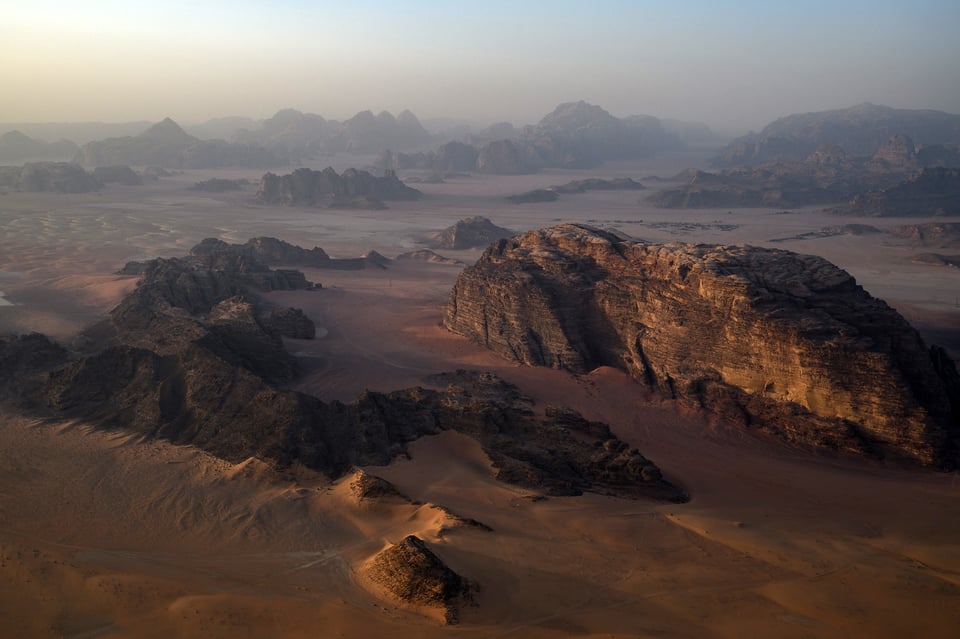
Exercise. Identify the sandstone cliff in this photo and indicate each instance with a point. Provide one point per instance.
(785, 341)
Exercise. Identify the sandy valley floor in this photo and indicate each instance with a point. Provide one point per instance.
(103, 535)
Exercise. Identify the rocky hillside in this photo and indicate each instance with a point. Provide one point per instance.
(768, 337)
(194, 356)
(352, 189)
(859, 130)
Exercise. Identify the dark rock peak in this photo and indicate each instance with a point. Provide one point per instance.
(813, 356)
(412, 573)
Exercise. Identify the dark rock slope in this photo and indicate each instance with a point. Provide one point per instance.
(785, 341)
(192, 356)
(415, 575)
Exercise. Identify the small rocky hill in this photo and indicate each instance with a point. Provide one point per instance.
(471, 232)
(770, 338)
(413, 574)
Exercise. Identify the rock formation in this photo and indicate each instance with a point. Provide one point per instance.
(471, 232)
(48, 177)
(193, 356)
(784, 341)
(413, 574)
(352, 189)
(930, 234)
(934, 191)
(501, 157)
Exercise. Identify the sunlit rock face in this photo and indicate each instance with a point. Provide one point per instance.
(779, 340)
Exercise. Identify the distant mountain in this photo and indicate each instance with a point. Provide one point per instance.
(166, 144)
(859, 130)
(574, 135)
(17, 147)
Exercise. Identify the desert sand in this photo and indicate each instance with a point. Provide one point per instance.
(106, 535)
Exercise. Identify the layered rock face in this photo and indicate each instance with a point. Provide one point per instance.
(785, 341)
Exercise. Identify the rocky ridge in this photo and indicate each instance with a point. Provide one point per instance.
(770, 338)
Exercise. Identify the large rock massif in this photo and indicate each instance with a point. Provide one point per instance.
(351, 189)
(785, 341)
(193, 355)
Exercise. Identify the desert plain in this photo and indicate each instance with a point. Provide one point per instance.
(104, 534)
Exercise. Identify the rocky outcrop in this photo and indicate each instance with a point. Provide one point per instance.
(931, 234)
(120, 174)
(860, 130)
(292, 323)
(48, 177)
(352, 189)
(414, 575)
(471, 232)
(934, 191)
(770, 338)
(501, 157)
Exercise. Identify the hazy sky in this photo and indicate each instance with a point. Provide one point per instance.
(735, 65)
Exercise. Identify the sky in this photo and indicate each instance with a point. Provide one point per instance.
(735, 65)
